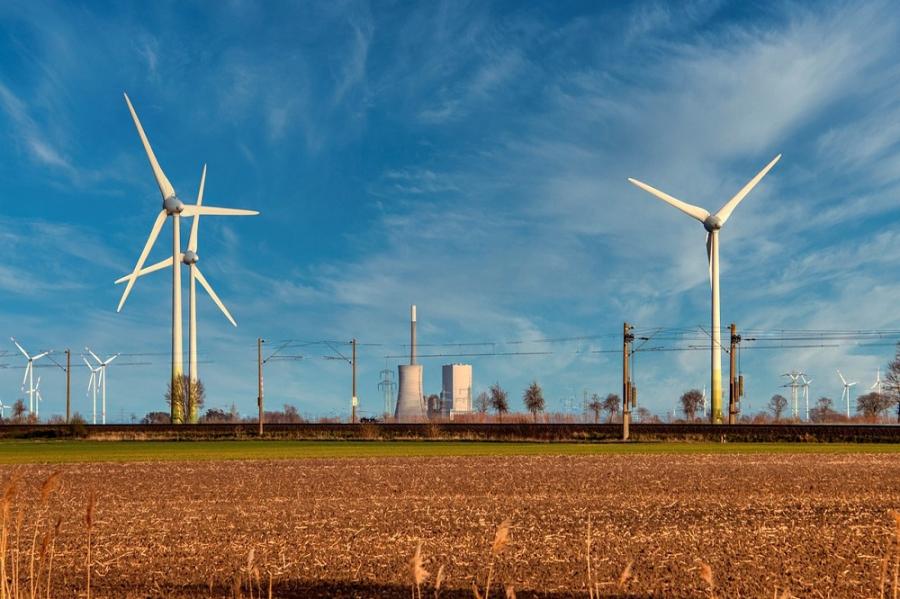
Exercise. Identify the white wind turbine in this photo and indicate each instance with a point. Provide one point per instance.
(92, 388)
(3, 406)
(712, 223)
(29, 376)
(174, 207)
(190, 257)
(38, 398)
(845, 394)
(101, 366)
(805, 386)
(876, 386)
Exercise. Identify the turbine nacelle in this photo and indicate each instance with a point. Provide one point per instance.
(712, 223)
(172, 205)
(190, 257)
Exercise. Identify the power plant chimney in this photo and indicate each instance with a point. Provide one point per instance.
(412, 334)
(410, 399)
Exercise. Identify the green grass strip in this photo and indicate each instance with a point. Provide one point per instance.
(32, 452)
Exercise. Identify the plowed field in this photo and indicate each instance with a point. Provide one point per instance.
(818, 525)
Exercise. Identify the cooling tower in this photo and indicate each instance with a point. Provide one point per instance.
(410, 400)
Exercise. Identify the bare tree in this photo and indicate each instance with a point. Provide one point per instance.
(892, 381)
(183, 395)
(596, 406)
(482, 402)
(823, 410)
(534, 399)
(498, 400)
(871, 405)
(611, 405)
(777, 405)
(644, 415)
(691, 402)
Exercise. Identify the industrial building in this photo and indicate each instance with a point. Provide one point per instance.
(456, 389)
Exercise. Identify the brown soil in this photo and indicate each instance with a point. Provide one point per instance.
(818, 525)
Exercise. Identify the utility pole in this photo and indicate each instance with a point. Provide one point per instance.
(68, 384)
(627, 387)
(735, 386)
(259, 397)
(354, 400)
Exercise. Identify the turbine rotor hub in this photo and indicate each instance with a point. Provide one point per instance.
(712, 223)
(190, 257)
(173, 205)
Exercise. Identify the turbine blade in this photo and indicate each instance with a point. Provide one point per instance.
(192, 242)
(689, 209)
(91, 380)
(21, 349)
(99, 361)
(190, 210)
(154, 233)
(729, 206)
(146, 271)
(88, 364)
(212, 294)
(107, 363)
(27, 370)
(843, 380)
(165, 188)
(709, 255)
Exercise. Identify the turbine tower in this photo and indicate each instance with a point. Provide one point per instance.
(92, 388)
(794, 385)
(805, 386)
(190, 258)
(876, 386)
(845, 394)
(174, 207)
(712, 223)
(33, 408)
(101, 365)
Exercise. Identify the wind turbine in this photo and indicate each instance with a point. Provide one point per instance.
(805, 386)
(101, 365)
(3, 406)
(29, 376)
(37, 395)
(174, 207)
(845, 394)
(712, 223)
(794, 376)
(92, 388)
(190, 257)
(876, 386)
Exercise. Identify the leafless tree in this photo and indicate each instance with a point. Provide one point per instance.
(596, 406)
(498, 400)
(777, 405)
(691, 402)
(611, 405)
(871, 405)
(534, 399)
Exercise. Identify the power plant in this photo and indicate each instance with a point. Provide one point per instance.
(410, 399)
(456, 389)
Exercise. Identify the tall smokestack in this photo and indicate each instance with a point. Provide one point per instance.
(412, 334)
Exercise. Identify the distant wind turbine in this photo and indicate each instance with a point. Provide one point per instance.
(174, 207)
(190, 257)
(712, 223)
(845, 394)
(29, 377)
(101, 365)
(93, 382)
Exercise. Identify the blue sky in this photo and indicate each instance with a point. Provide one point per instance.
(467, 157)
